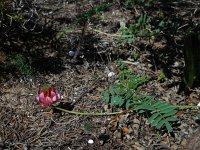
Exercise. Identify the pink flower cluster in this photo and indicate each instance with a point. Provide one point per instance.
(47, 96)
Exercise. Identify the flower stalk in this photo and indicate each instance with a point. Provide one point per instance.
(88, 113)
(186, 107)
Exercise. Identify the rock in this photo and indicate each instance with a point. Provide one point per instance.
(122, 119)
(90, 141)
(135, 126)
(117, 134)
(71, 53)
(136, 121)
(107, 109)
(110, 74)
(128, 137)
(101, 142)
(103, 130)
(184, 142)
(174, 147)
(130, 130)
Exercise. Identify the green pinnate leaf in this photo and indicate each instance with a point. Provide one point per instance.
(172, 112)
(106, 96)
(156, 121)
(168, 126)
(198, 116)
(162, 106)
(153, 117)
(160, 124)
(117, 101)
(171, 119)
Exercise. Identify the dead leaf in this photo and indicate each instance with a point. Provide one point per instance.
(125, 130)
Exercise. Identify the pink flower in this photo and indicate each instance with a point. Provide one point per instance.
(47, 96)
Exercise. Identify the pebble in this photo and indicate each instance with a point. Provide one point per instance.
(107, 109)
(71, 53)
(117, 134)
(122, 119)
(128, 137)
(136, 121)
(184, 142)
(103, 130)
(174, 147)
(90, 141)
(135, 126)
(130, 130)
(190, 129)
(110, 74)
(101, 142)
(176, 64)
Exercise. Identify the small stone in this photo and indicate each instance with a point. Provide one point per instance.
(106, 108)
(90, 141)
(86, 65)
(184, 142)
(176, 64)
(128, 137)
(191, 131)
(165, 135)
(30, 80)
(110, 74)
(149, 65)
(117, 134)
(101, 142)
(130, 130)
(71, 53)
(103, 130)
(122, 119)
(82, 56)
(174, 147)
(135, 126)
(136, 121)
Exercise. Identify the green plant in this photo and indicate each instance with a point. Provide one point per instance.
(88, 126)
(14, 17)
(126, 93)
(93, 11)
(161, 76)
(22, 65)
(192, 58)
(6, 16)
(84, 17)
(161, 112)
(130, 4)
(141, 28)
(64, 32)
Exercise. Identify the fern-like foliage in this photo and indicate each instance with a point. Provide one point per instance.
(162, 113)
(126, 93)
(127, 87)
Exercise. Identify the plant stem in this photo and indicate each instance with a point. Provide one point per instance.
(186, 107)
(111, 113)
(87, 113)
